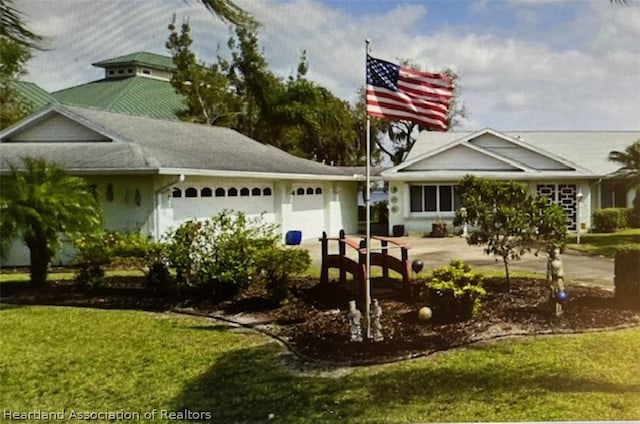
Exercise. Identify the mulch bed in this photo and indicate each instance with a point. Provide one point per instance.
(314, 323)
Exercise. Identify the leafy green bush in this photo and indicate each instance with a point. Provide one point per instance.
(454, 292)
(275, 264)
(220, 253)
(608, 220)
(111, 248)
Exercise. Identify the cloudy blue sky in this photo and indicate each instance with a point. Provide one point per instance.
(523, 64)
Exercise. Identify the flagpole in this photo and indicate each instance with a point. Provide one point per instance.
(368, 212)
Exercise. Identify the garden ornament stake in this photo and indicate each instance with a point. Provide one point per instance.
(555, 277)
(354, 316)
(376, 327)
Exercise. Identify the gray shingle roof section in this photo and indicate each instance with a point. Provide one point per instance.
(152, 144)
(92, 157)
(588, 149)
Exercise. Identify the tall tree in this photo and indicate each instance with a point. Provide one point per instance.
(316, 124)
(39, 202)
(206, 90)
(13, 57)
(629, 173)
(257, 87)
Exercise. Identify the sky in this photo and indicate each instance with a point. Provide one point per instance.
(522, 64)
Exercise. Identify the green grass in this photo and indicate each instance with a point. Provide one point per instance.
(605, 244)
(54, 358)
(61, 276)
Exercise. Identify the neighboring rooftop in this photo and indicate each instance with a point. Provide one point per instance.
(33, 93)
(134, 95)
(136, 84)
(588, 149)
(151, 60)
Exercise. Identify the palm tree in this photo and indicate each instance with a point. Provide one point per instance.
(39, 202)
(13, 27)
(629, 173)
(227, 11)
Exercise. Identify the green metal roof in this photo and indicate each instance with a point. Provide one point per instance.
(135, 95)
(151, 60)
(31, 92)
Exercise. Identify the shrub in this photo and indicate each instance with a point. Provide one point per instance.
(608, 220)
(454, 292)
(111, 248)
(219, 253)
(275, 264)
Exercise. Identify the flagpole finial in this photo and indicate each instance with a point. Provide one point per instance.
(366, 40)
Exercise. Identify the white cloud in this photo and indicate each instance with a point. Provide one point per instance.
(581, 73)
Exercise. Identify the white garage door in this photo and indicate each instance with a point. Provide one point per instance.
(307, 211)
(201, 202)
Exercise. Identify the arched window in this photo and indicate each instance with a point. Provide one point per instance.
(206, 192)
(191, 192)
(220, 192)
(318, 190)
(233, 192)
(176, 192)
(266, 191)
(309, 190)
(300, 191)
(244, 192)
(256, 191)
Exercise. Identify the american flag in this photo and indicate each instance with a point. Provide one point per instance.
(402, 94)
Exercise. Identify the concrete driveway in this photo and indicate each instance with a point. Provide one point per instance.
(435, 252)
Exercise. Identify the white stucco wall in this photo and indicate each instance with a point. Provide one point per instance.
(324, 206)
(420, 223)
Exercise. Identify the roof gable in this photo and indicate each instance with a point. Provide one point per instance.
(517, 151)
(482, 151)
(461, 157)
(57, 124)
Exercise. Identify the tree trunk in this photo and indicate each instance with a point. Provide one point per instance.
(39, 254)
(506, 271)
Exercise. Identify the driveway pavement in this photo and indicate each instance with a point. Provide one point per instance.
(434, 252)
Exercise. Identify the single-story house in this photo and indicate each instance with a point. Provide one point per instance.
(570, 167)
(153, 174)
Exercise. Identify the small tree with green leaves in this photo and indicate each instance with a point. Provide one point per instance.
(508, 220)
(39, 202)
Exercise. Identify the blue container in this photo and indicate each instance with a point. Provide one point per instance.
(293, 238)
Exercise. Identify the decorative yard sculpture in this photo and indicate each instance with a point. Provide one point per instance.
(425, 313)
(417, 266)
(376, 326)
(555, 277)
(354, 316)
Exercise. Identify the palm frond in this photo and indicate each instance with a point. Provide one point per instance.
(227, 11)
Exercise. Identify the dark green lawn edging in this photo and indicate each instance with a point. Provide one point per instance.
(79, 359)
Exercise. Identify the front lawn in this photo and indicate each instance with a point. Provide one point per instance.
(78, 359)
(605, 244)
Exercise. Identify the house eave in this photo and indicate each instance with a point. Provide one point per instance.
(262, 175)
(518, 176)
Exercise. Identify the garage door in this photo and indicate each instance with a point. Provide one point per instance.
(201, 202)
(307, 211)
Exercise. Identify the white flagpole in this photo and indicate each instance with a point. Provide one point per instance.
(368, 212)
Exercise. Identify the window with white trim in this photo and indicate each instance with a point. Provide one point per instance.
(433, 198)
